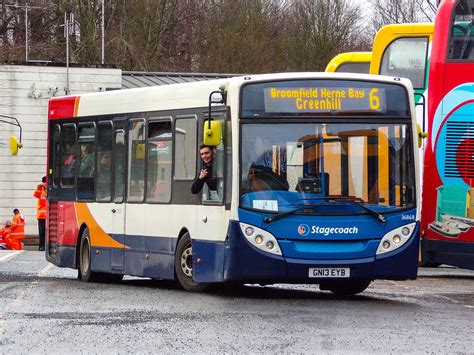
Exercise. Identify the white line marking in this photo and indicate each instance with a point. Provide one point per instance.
(11, 255)
(44, 271)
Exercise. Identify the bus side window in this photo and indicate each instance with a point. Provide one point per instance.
(136, 160)
(85, 176)
(160, 152)
(68, 155)
(185, 136)
(56, 161)
(104, 162)
(119, 165)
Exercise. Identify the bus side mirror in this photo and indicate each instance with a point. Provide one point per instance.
(212, 133)
(421, 135)
(14, 145)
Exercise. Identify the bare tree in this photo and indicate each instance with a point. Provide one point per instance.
(240, 36)
(400, 11)
(320, 29)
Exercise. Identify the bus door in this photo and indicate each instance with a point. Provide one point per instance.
(117, 207)
(210, 214)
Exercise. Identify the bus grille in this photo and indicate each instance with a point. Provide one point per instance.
(460, 150)
(53, 228)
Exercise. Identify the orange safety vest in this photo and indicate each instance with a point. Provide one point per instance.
(3, 233)
(18, 227)
(40, 194)
(11, 243)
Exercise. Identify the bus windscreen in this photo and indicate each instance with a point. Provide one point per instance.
(293, 98)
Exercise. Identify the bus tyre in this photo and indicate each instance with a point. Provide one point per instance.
(183, 266)
(85, 272)
(346, 288)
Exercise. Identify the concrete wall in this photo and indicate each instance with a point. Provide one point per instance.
(24, 94)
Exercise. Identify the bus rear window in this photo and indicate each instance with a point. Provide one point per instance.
(323, 97)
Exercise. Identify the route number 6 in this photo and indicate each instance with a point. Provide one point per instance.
(374, 99)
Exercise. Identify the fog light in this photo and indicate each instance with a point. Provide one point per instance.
(405, 231)
(386, 244)
(397, 239)
(270, 245)
(259, 239)
(248, 231)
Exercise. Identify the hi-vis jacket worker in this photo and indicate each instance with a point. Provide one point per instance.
(17, 231)
(40, 194)
(5, 231)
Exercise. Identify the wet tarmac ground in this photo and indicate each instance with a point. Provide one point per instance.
(45, 309)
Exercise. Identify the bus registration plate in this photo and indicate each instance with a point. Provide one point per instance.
(328, 272)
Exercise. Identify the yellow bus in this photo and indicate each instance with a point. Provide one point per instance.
(350, 62)
(402, 50)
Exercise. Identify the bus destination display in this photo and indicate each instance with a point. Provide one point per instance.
(324, 99)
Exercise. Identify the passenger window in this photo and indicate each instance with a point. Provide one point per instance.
(56, 161)
(136, 160)
(119, 165)
(406, 58)
(185, 148)
(104, 162)
(160, 153)
(462, 33)
(85, 177)
(68, 155)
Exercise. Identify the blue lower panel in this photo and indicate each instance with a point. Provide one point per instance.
(149, 264)
(65, 257)
(238, 260)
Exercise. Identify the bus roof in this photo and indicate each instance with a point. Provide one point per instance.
(177, 96)
(348, 57)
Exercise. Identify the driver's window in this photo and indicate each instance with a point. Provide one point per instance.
(214, 191)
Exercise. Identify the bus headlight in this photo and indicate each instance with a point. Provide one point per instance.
(395, 238)
(260, 239)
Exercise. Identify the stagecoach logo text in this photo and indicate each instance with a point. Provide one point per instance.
(304, 230)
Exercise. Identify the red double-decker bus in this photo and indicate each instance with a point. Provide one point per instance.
(448, 179)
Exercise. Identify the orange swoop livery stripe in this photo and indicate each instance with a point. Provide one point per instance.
(98, 236)
(76, 105)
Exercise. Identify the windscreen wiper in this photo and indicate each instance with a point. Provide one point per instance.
(281, 215)
(358, 202)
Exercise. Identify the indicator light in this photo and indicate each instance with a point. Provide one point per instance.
(259, 239)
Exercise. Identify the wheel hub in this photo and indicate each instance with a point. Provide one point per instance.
(187, 261)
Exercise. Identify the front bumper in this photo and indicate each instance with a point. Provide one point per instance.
(237, 260)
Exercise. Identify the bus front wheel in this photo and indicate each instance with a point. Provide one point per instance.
(345, 288)
(183, 266)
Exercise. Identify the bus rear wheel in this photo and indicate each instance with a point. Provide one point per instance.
(183, 266)
(345, 288)
(85, 273)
